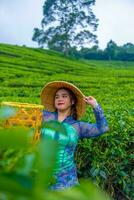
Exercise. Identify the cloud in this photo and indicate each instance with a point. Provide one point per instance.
(18, 18)
(115, 21)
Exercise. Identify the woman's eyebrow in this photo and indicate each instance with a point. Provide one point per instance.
(61, 94)
(64, 94)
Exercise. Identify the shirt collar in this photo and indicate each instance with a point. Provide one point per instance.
(69, 119)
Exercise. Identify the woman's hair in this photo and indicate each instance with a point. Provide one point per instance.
(74, 99)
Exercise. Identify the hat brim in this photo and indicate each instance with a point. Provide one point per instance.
(49, 91)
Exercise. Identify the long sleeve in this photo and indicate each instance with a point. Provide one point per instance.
(88, 130)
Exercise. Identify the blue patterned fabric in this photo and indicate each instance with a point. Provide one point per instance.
(65, 171)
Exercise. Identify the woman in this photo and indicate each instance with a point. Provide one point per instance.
(65, 103)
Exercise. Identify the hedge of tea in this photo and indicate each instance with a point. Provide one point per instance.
(106, 160)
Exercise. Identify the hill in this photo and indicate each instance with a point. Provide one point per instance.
(26, 70)
(23, 73)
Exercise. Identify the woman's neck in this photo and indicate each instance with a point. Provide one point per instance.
(63, 114)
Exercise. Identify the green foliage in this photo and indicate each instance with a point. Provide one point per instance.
(111, 52)
(106, 160)
(6, 112)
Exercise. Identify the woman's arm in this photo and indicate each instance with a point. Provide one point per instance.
(88, 130)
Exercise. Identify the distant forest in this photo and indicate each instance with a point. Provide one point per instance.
(111, 52)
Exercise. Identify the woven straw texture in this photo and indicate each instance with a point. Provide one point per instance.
(29, 115)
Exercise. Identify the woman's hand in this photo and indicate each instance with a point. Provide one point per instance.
(91, 101)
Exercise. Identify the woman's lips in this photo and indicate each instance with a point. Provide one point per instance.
(60, 104)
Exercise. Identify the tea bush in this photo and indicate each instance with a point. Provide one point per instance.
(106, 160)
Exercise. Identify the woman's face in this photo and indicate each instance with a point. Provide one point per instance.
(62, 100)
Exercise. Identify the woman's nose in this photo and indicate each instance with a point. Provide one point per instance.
(60, 99)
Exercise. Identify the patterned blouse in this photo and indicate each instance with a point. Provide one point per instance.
(65, 172)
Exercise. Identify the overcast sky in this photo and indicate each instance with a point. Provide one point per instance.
(18, 18)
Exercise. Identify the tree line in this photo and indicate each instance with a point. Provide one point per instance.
(111, 52)
(68, 25)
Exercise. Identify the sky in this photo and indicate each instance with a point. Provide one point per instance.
(18, 18)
